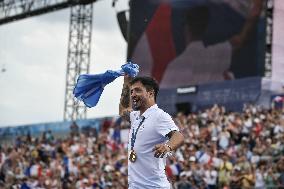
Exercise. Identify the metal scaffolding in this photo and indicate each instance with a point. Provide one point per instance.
(79, 46)
(269, 35)
(78, 60)
(12, 10)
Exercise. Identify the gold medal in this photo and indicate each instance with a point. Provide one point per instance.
(132, 156)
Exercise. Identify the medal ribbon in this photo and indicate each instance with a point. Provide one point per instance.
(133, 137)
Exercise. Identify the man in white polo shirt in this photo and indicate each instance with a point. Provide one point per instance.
(153, 134)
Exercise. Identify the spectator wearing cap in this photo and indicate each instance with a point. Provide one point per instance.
(257, 128)
(197, 172)
(183, 183)
(210, 176)
(224, 138)
(235, 181)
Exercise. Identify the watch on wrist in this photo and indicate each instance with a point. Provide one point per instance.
(169, 147)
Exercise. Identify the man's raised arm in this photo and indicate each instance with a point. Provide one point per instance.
(125, 104)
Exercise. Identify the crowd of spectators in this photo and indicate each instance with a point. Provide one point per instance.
(82, 160)
(222, 150)
(230, 149)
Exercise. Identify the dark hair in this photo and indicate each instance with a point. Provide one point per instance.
(149, 83)
(197, 19)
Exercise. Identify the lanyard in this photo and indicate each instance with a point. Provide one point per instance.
(133, 137)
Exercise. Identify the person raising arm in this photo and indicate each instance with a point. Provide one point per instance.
(153, 133)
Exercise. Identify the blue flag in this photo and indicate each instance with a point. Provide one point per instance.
(90, 87)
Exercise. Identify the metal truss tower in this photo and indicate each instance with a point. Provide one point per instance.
(78, 60)
(79, 46)
(13, 10)
(269, 35)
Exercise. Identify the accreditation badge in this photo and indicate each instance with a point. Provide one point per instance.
(132, 156)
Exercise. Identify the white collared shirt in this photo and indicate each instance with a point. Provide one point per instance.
(148, 171)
